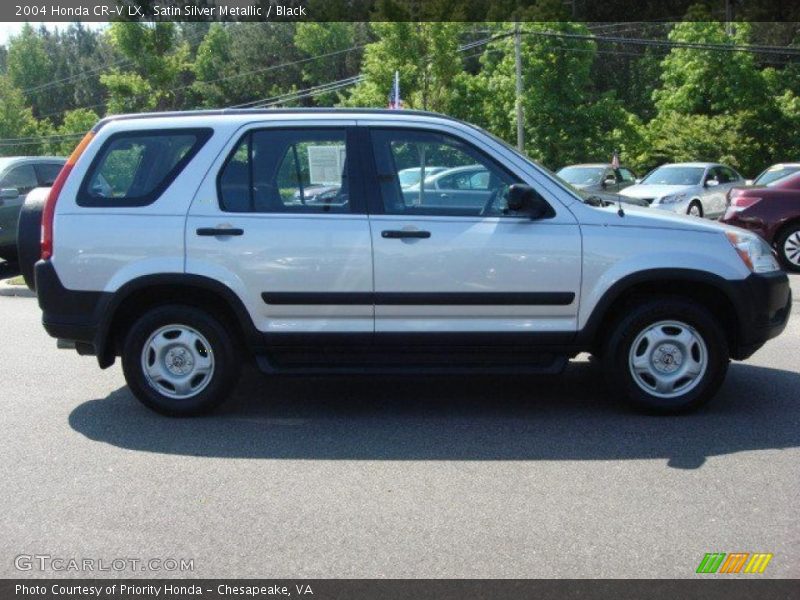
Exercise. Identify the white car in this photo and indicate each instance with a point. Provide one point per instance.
(194, 257)
(697, 189)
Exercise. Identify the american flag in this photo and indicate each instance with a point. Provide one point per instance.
(615, 161)
(394, 96)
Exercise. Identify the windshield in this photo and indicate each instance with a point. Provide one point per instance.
(675, 176)
(541, 168)
(775, 173)
(581, 175)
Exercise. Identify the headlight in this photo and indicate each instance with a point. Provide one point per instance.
(673, 199)
(754, 251)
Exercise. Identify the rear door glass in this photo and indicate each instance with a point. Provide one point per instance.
(134, 168)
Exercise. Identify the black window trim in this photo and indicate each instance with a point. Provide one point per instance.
(375, 200)
(87, 200)
(352, 141)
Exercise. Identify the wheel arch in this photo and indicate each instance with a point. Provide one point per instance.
(144, 293)
(711, 291)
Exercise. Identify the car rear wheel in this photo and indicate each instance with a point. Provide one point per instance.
(789, 248)
(180, 361)
(695, 209)
(667, 356)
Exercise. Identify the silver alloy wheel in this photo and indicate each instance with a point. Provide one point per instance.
(791, 248)
(694, 209)
(668, 359)
(177, 361)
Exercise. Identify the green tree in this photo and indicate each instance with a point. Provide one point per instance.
(565, 121)
(30, 69)
(427, 57)
(159, 63)
(16, 121)
(332, 41)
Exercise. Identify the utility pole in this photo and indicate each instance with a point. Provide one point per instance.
(518, 101)
(728, 18)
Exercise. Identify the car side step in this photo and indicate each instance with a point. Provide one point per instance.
(545, 365)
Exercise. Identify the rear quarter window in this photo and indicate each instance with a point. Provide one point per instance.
(134, 168)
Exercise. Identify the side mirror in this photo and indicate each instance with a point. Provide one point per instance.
(638, 180)
(611, 180)
(711, 182)
(9, 194)
(523, 198)
(748, 182)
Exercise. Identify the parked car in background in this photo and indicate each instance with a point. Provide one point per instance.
(773, 212)
(695, 188)
(18, 176)
(412, 175)
(597, 177)
(774, 172)
(468, 186)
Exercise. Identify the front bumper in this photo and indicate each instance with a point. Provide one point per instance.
(764, 302)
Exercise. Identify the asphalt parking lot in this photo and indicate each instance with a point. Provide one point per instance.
(392, 477)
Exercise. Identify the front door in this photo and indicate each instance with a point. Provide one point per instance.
(467, 268)
(280, 223)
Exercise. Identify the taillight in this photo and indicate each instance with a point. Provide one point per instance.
(49, 211)
(742, 202)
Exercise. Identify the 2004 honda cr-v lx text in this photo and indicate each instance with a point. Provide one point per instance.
(184, 244)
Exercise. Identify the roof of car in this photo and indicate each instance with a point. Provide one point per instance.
(228, 112)
(604, 165)
(16, 159)
(693, 164)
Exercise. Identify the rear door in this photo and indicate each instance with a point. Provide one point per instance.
(477, 271)
(301, 261)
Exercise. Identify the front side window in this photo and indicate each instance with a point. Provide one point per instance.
(134, 168)
(464, 181)
(23, 178)
(287, 171)
(627, 175)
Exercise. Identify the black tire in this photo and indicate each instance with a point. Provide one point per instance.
(29, 232)
(223, 349)
(699, 208)
(616, 356)
(793, 229)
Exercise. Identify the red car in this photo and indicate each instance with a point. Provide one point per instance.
(773, 212)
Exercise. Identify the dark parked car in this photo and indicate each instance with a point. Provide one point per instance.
(772, 211)
(597, 177)
(18, 176)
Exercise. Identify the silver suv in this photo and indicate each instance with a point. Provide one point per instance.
(187, 244)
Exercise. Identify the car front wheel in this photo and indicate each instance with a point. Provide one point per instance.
(667, 356)
(789, 248)
(180, 361)
(695, 209)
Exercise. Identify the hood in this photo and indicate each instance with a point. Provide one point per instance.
(644, 190)
(638, 216)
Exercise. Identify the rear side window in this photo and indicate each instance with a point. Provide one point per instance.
(134, 168)
(287, 171)
(47, 173)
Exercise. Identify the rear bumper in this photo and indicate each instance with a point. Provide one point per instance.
(764, 304)
(75, 316)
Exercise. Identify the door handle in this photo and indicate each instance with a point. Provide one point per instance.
(219, 231)
(397, 234)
